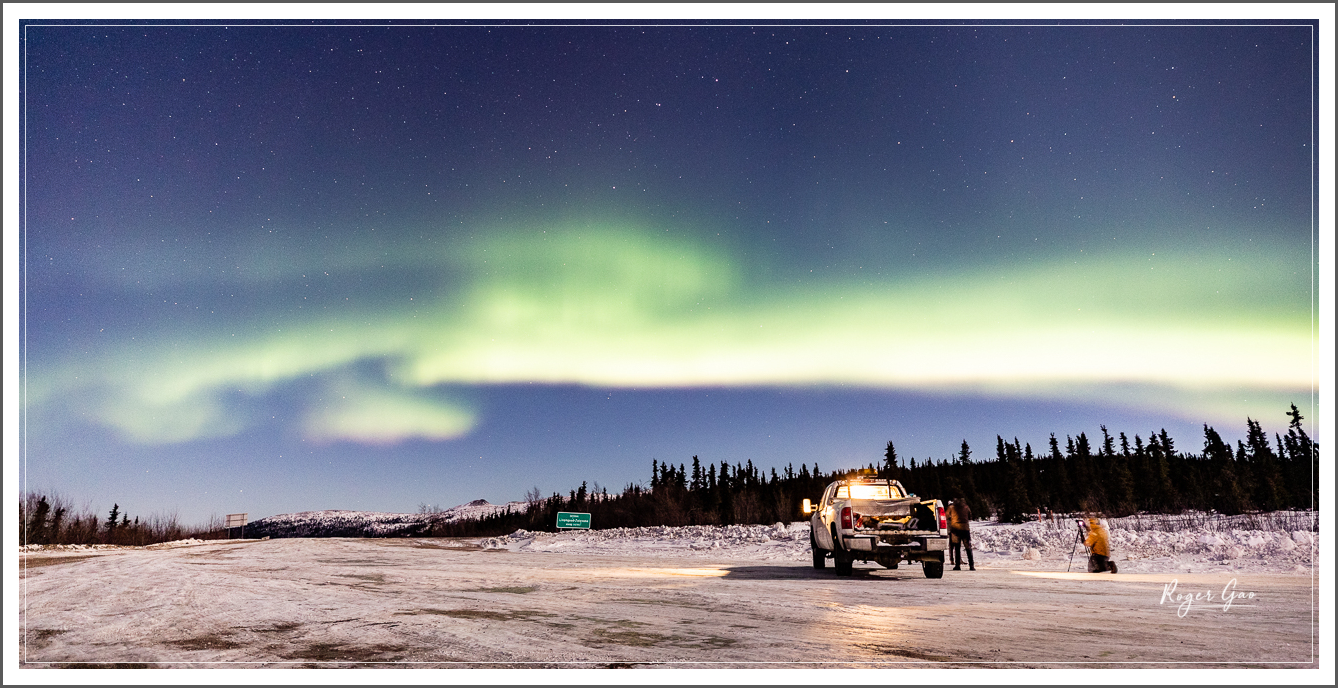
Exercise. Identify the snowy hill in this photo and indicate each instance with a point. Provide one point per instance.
(341, 523)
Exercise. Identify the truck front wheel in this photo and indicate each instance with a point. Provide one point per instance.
(819, 555)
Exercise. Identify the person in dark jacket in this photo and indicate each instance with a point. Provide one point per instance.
(959, 533)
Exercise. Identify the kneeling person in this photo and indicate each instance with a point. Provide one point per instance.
(1098, 542)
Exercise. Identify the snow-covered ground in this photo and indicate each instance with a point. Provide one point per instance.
(1039, 546)
(696, 596)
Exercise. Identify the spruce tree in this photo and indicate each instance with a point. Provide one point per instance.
(1083, 448)
(728, 485)
(37, 530)
(1167, 444)
(890, 468)
(1089, 490)
(53, 532)
(1268, 494)
(1121, 493)
(1016, 503)
(1061, 491)
(933, 485)
(712, 493)
(1147, 497)
(1030, 470)
(1058, 478)
(1228, 496)
(966, 478)
(1160, 453)
(1302, 461)
(111, 524)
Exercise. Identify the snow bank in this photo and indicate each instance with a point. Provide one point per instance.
(177, 543)
(765, 543)
(1030, 546)
(1151, 551)
(111, 548)
(72, 548)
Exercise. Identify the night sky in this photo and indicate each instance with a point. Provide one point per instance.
(282, 268)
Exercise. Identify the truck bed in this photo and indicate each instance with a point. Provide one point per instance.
(885, 508)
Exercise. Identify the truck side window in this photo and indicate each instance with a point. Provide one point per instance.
(843, 492)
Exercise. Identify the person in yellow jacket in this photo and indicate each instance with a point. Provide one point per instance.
(959, 532)
(1098, 545)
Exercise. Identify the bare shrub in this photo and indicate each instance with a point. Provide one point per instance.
(1282, 521)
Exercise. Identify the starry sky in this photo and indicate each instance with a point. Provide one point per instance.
(275, 268)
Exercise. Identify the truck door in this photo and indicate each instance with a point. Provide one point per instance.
(822, 518)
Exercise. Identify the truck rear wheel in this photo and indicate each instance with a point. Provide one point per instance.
(934, 567)
(819, 555)
(842, 562)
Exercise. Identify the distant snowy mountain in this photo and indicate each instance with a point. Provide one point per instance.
(341, 523)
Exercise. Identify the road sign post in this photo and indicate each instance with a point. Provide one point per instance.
(236, 521)
(573, 520)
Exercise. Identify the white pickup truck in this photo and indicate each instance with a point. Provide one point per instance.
(876, 520)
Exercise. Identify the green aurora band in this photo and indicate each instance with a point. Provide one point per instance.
(619, 308)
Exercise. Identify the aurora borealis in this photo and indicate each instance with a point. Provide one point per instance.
(273, 268)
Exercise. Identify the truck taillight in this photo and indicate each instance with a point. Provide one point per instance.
(942, 518)
(845, 518)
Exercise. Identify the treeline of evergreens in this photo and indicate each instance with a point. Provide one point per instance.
(1113, 475)
(48, 519)
(1117, 477)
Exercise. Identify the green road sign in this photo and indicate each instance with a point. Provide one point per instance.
(567, 519)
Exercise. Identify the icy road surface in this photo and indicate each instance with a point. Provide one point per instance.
(669, 597)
